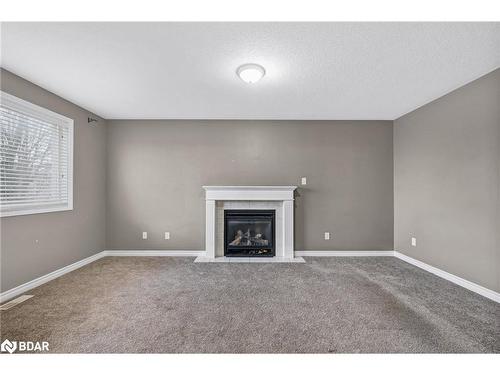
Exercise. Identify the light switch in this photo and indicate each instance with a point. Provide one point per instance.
(327, 235)
(304, 181)
(167, 235)
(144, 235)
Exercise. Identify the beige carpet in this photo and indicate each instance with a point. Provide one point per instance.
(327, 305)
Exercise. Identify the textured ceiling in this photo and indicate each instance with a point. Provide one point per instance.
(187, 70)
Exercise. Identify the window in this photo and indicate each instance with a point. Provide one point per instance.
(36, 159)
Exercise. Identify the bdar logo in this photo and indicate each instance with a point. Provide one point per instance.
(24, 346)
(8, 346)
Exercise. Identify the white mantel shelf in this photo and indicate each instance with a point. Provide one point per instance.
(283, 194)
(248, 193)
(250, 187)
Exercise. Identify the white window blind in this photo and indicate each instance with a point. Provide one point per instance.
(36, 159)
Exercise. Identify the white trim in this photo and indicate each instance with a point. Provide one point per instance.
(485, 292)
(31, 211)
(210, 228)
(11, 293)
(249, 193)
(154, 253)
(288, 250)
(344, 253)
(250, 187)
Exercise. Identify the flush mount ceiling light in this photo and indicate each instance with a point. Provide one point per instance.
(250, 73)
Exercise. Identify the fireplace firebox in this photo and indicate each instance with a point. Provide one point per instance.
(249, 233)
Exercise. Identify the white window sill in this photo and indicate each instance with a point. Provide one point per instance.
(33, 211)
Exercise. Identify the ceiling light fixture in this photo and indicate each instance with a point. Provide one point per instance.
(250, 73)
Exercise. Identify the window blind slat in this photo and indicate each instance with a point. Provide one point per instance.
(33, 197)
(25, 182)
(29, 129)
(19, 141)
(28, 169)
(48, 200)
(12, 163)
(21, 175)
(9, 150)
(37, 189)
(32, 203)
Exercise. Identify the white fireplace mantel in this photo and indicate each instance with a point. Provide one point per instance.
(283, 194)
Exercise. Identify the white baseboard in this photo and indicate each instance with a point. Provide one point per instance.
(154, 253)
(344, 253)
(11, 293)
(485, 292)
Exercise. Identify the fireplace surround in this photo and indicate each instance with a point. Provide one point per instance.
(221, 198)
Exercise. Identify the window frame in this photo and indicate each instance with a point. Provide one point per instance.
(44, 114)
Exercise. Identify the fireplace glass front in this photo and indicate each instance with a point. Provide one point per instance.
(249, 233)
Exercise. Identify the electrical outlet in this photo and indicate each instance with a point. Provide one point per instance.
(414, 241)
(303, 180)
(327, 235)
(144, 235)
(167, 235)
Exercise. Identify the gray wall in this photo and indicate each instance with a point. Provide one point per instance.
(156, 170)
(63, 237)
(446, 182)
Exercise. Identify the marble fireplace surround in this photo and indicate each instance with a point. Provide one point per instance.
(219, 198)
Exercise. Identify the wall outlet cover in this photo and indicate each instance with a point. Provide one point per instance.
(327, 235)
(144, 235)
(303, 180)
(167, 235)
(413, 241)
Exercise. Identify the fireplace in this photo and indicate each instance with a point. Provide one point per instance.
(249, 233)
